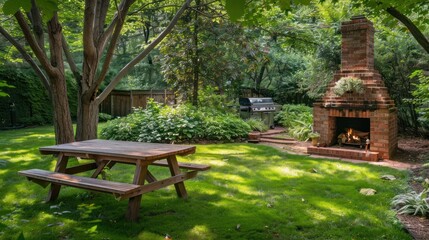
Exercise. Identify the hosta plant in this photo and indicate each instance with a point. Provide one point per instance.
(412, 203)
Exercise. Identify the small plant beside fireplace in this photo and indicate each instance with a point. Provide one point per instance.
(314, 138)
(348, 84)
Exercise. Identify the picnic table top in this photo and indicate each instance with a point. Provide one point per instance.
(125, 149)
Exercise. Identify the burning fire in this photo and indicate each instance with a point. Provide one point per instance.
(352, 137)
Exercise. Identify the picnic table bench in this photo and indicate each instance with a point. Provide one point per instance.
(107, 153)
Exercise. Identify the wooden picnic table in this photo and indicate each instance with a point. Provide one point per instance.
(107, 153)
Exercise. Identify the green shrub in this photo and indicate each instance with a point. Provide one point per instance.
(32, 121)
(168, 124)
(257, 125)
(225, 127)
(180, 124)
(124, 129)
(104, 117)
(298, 119)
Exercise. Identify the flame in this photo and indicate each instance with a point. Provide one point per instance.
(351, 137)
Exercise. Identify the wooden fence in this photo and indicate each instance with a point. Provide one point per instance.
(121, 102)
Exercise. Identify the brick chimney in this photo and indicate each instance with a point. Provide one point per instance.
(375, 104)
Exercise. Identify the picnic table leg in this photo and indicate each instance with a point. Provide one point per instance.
(61, 168)
(174, 170)
(101, 165)
(134, 202)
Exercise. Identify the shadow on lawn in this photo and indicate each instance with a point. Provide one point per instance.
(251, 192)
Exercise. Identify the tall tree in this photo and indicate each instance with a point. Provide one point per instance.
(103, 22)
(205, 50)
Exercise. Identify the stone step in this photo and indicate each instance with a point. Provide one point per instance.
(279, 141)
(344, 153)
(276, 130)
(277, 138)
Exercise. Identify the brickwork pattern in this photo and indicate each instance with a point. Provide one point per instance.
(375, 103)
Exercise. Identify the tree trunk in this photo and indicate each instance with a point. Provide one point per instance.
(259, 78)
(62, 119)
(87, 119)
(195, 58)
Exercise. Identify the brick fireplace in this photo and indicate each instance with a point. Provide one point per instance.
(372, 112)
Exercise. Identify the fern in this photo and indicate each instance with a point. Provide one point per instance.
(348, 84)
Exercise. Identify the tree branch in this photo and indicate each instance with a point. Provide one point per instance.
(40, 54)
(70, 60)
(88, 29)
(414, 30)
(143, 54)
(102, 8)
(107, 33)
(36, 21)
(43, 78)
(122, 12)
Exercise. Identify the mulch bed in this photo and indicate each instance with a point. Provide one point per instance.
(417, 226)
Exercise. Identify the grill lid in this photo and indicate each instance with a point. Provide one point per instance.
(257, 104)
(255, 101)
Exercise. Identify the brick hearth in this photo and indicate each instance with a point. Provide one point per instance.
(375, 104)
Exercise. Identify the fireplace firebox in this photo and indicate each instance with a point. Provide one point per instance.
(352, 132)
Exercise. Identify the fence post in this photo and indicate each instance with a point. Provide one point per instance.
(131, 101)
(111, 104)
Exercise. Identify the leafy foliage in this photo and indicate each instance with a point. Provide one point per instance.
(235, 8)
(180, 124)
(103, 117)
(3, 84)
(348, 84)
(421, 97)
(33, 106)
(257, 124)
(203, 52)
(397, 56)
(298, 119)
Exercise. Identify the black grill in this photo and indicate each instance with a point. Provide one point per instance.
(260, 108)
(257, 104)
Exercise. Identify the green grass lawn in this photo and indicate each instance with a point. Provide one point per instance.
(251, 192)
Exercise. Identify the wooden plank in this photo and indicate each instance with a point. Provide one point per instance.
(174, 170)
(100, 168)
(150, 177)
(133, 210)
(165, 182)
(81, 182)
(190, 166)
(120, 149)
(60, 167)
(81, 168)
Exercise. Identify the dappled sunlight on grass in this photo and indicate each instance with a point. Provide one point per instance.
(332, 207)
(250, 192)
(316, 215)
(285, 171)
(149, 235)
(200, 232)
